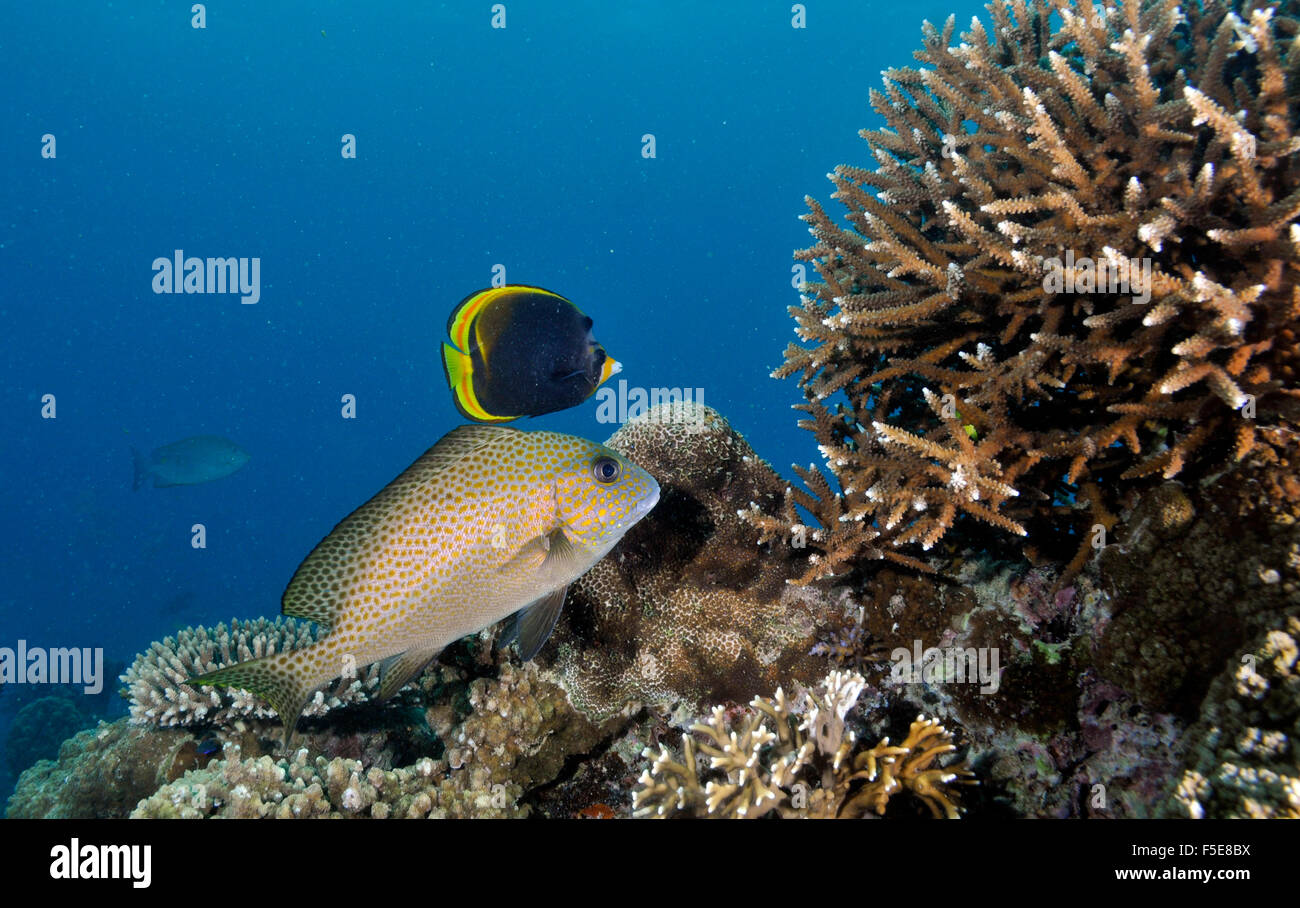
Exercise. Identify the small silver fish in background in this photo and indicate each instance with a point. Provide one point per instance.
(188, 462)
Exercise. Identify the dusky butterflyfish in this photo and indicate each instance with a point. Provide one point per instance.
(521, 351)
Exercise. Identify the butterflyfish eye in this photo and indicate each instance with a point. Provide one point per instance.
(606, 469)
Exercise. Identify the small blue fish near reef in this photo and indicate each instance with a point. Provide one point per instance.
(191, 461)
(521, 351)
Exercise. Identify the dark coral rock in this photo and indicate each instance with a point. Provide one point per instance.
(1244, 751)
(38, 730)
(598, 787)
(1193, 574)
(102, 773)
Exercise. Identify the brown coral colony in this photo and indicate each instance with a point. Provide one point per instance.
(1071, 272)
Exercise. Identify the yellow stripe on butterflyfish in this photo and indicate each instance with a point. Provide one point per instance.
(468, 312)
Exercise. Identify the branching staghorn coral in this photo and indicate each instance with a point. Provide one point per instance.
(799, 761)
(156, 680)
(1073, 268)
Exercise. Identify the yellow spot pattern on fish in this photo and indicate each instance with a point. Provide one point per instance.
(487, 522)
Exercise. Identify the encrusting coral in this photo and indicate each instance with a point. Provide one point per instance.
(1245, 750)
(1196, 574)
(1074, 269)
(263, 788)
(798, 759)
(156, 680)
(100, 773)
(39, 729)
(519, 733)
(476, 749)
(521, 729)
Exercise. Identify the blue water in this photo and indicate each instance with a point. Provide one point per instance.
(475, 147)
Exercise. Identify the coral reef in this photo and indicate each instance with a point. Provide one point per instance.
(39, 729)
(100, 773)
(519, 734)
(298, 789)
(1195, 574)
(460, 746)
(1097, 681)
(1244, 753)
(522, 729)
(156, 680)
(688, 609)
(1073, 270)
(1098, 678)
(799, 760)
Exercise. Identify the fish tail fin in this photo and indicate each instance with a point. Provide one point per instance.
(285, 680)
(141, 469)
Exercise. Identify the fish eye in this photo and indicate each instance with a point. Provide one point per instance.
(606, 469)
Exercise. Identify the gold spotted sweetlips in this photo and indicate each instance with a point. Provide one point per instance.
(489, 522)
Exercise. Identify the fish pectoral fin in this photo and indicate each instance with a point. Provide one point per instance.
(530, 558)
(563, 556)
(535, 621)
(454, 365)
(396, 672)
(551, 556)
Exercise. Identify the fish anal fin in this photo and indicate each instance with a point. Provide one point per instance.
(535, 621)
(278, 679)
(310, 606)
(396, 672)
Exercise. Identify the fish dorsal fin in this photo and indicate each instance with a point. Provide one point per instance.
(535, 621)
(319, 587)
(397, 671)
(463, 324)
